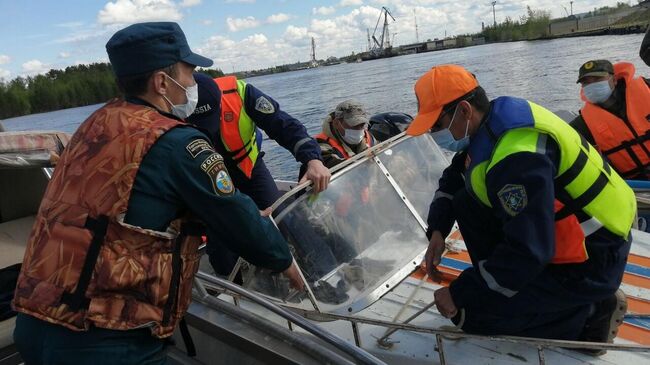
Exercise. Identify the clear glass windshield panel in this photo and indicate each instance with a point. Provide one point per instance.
(416, 164)
(348, 240)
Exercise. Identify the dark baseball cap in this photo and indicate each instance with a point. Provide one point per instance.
(146, 47)
(208, 108)
(595, 68)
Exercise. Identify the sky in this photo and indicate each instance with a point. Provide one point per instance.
(37, 35)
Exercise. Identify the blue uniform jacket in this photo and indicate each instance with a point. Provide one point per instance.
(286, 130)
(172, 181)
(527, 243)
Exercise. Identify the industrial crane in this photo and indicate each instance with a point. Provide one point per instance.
(384, 41)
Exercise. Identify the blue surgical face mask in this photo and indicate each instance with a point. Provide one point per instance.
(598, 92)
(446, 140)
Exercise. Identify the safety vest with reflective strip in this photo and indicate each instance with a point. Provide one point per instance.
(589, 194)
(340, 150)
(625, 143)
(237, 129)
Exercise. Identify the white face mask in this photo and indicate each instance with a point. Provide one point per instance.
(353, 136)
(191, 94)
(598, 92)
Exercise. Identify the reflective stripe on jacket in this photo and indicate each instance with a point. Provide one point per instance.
(589, 194)
(237, 129)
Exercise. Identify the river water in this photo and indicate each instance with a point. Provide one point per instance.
(541, 71)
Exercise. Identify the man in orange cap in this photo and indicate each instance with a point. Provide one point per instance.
(534, 204)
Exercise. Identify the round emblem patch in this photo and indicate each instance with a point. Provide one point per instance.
(224, 183)
(589, 65)
(513, 198)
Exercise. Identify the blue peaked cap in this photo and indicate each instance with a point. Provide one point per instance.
(145, 47)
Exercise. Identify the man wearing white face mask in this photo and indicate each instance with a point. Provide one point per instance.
(616, 116)
(124, 213)
(345, 133)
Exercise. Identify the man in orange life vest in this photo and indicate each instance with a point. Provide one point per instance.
(108, 268)
(231, 111)
(616, 116)
(345, 133)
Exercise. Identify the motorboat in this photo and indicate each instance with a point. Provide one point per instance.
(358, 245)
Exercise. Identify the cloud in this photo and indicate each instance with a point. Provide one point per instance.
(207, 22)
(340, 31)
(189, 3)
(133, 11)
(89, 35)
(278, 18)
(64, 54)
(323, 10)
(345, 3)
(4, 59)
(70, 24)
(296, 36)
(34, 67)
(237, 24)
(240, 1)
(4, 74)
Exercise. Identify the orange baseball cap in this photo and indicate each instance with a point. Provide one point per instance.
(435, 89)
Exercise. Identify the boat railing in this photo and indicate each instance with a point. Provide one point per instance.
(359, 355)
(299, 317)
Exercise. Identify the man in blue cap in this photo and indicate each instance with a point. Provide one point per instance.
(232, 111)
(108, 268)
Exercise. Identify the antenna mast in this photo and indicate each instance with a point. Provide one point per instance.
(417, 37)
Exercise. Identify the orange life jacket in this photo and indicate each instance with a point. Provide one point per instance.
(340, 150)
(242, 146)
(625, 143)
(84, 266)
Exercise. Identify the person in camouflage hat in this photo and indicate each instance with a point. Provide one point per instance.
(345, 133)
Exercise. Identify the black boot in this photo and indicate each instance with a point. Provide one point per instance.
(602, 326)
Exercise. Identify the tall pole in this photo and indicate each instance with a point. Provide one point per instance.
(494, 14)
(417, 37)
(386, 34)
(369, 44)
(571, 2)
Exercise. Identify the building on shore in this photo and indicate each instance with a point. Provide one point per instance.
(588, 22)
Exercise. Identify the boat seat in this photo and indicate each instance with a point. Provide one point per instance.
(7, 332)
(13, 239)
(21, 191)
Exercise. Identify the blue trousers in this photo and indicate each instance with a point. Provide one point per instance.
(557, 303)
(43, 343)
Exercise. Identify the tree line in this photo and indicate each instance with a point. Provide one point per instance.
(535, 24)
(74, 86)
(532, 25)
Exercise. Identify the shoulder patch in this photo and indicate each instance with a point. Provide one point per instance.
(198, 146)
(215, 169)
(513, 198)
(263, 105)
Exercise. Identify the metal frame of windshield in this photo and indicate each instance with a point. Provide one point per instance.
(372, 154)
